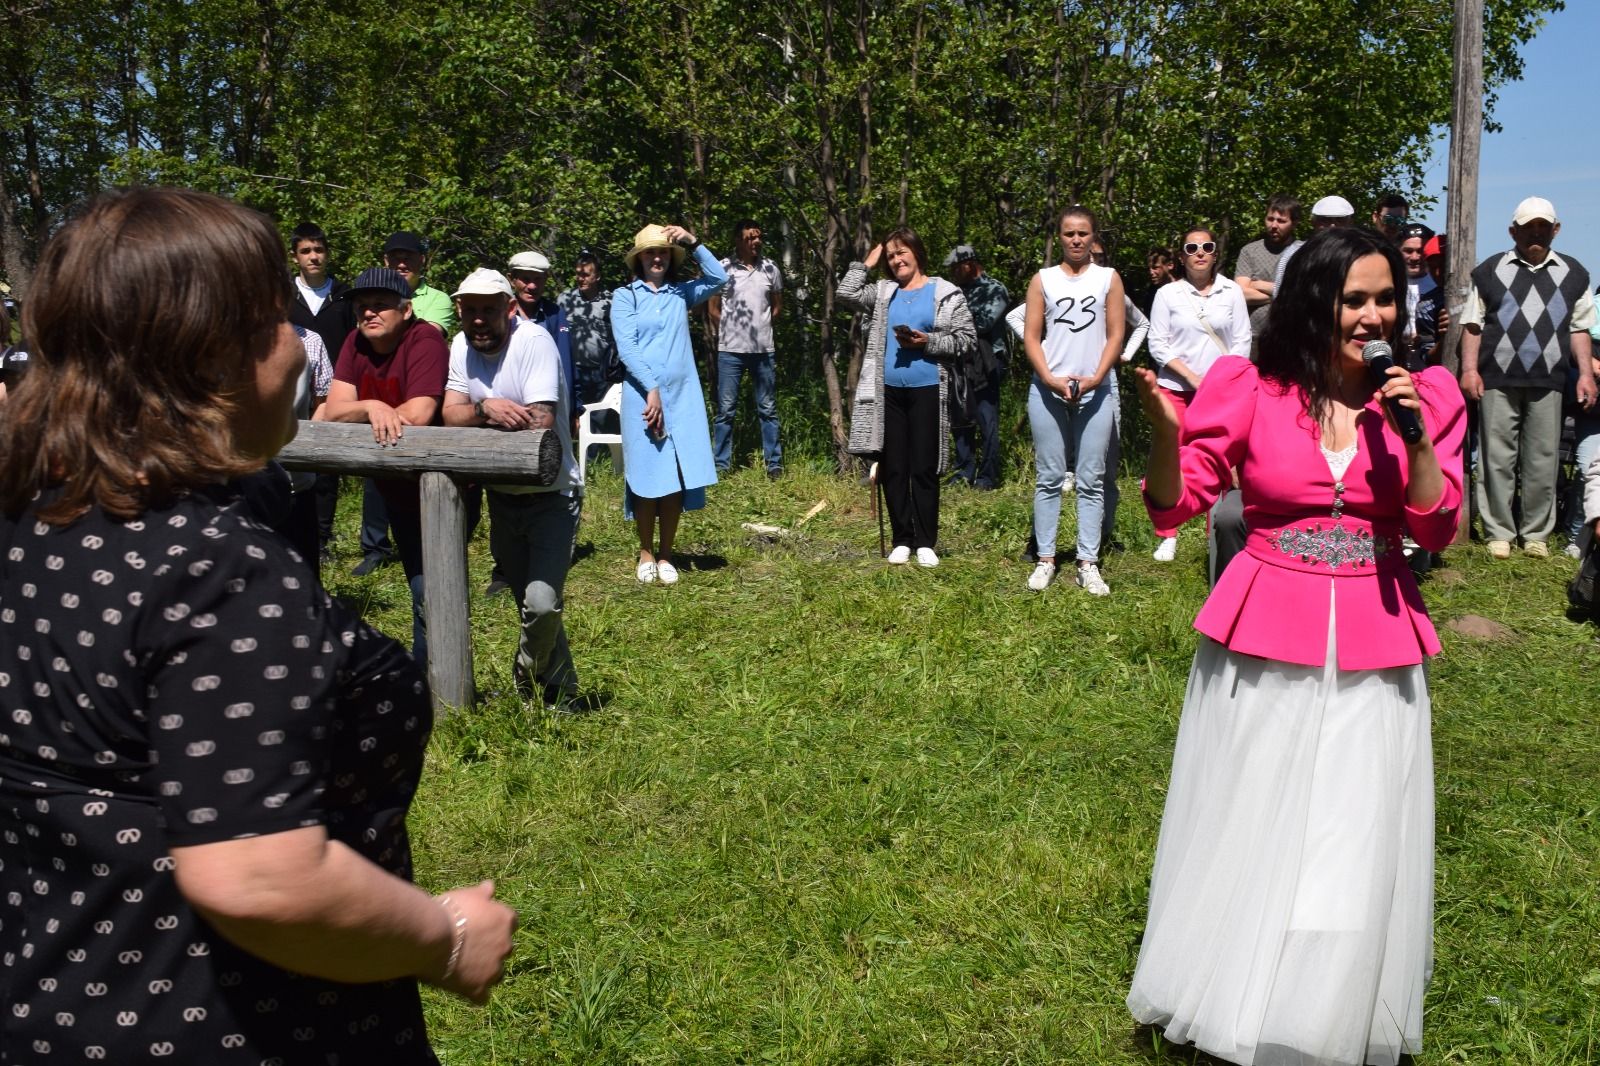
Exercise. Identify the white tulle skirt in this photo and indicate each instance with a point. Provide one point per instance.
(1291, 904)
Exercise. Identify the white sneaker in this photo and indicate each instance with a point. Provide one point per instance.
(646, 573)
(1041, 577)
(1573, 552)
(666, 573)
(901, 554)
(1069, 484)
(1166, 551)
(927, 558)
(1090, 581)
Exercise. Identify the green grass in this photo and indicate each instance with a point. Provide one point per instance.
(843, 813)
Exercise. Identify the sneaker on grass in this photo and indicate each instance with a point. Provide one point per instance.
(901, 554)
(927, 558)
(1041, 577)
(1166, 551)
(1090, 581)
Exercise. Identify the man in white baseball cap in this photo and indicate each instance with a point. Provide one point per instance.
(1528, 316)
(508, 375)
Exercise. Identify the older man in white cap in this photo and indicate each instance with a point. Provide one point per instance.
(509, 376)
(1529, 314)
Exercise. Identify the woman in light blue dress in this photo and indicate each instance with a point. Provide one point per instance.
(666, 439)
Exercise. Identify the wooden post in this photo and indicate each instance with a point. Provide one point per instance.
(1461, 208)
(444, 564)
(1466, 136)
(438, 454)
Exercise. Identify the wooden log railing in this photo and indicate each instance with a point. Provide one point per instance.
(442, 459)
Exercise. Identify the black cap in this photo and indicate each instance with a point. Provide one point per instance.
(405, 241)
(378, 278)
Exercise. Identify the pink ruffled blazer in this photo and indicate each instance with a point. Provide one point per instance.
(1306, 527)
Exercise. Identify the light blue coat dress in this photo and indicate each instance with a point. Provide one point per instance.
(651, 327)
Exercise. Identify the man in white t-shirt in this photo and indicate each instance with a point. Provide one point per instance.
(508, 376)
(743, 315)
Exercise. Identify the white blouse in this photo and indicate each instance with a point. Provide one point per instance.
(1178, 320)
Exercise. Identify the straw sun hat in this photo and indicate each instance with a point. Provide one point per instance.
(652, 237)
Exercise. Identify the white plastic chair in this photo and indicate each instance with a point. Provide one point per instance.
(611, 401)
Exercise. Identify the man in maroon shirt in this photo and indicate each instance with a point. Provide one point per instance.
(392, 375)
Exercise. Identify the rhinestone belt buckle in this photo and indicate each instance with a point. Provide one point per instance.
(1336, 546)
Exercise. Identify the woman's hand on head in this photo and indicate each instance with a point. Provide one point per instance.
(874, 256)
(677, 235)
(1157, 408)
(486, 941)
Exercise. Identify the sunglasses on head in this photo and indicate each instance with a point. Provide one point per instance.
(1204, 246)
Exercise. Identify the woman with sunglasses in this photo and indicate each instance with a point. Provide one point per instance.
(1195, 320)
(1291, 899)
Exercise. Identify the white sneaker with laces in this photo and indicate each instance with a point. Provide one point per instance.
(901, 554)
(927, 558)
(1041, 577)
(646, 573)
(1090, 581)
(1166, 551)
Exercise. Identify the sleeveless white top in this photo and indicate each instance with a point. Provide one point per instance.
(1075, 319)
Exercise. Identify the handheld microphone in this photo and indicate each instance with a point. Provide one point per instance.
(1379, 357)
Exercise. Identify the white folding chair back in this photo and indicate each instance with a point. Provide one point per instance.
(611, 401)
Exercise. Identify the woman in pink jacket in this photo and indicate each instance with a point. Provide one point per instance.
(1291, 901)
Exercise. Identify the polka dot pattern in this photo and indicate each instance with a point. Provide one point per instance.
(174, 680)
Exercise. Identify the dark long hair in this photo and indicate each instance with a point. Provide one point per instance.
(146, 317)
(1300, 341)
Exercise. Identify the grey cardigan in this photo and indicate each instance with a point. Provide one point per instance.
(951, 338)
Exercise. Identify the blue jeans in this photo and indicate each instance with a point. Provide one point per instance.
(731, 368)
(374, 521)
(1090, 429)
(406, 525)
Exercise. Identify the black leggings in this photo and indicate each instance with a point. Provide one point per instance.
(909, 469)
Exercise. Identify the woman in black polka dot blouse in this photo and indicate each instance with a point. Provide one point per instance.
(205, 764)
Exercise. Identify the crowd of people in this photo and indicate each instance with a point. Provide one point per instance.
(216, 758)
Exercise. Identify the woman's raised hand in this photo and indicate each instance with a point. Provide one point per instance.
(1397, 385)
(677, 235)
(875, 256)
(1157, 408)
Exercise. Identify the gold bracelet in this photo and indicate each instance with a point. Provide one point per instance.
(458, 934)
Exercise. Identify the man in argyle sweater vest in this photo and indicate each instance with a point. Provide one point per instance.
(1529, 312)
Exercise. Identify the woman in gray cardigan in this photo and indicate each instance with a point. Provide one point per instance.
(919, 328)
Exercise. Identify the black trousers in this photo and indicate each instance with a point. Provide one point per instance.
(909, 469)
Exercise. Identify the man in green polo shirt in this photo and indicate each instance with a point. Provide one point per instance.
(407, 253)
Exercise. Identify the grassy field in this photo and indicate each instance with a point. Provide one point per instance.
(838, 812)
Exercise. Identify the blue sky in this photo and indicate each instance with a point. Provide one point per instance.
(1545, 148)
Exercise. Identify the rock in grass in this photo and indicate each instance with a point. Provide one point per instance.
(1477, 627)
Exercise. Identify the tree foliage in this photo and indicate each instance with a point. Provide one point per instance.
(506, 123)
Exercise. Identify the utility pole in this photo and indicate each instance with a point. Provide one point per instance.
(1461, 206)
(1466, 136)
